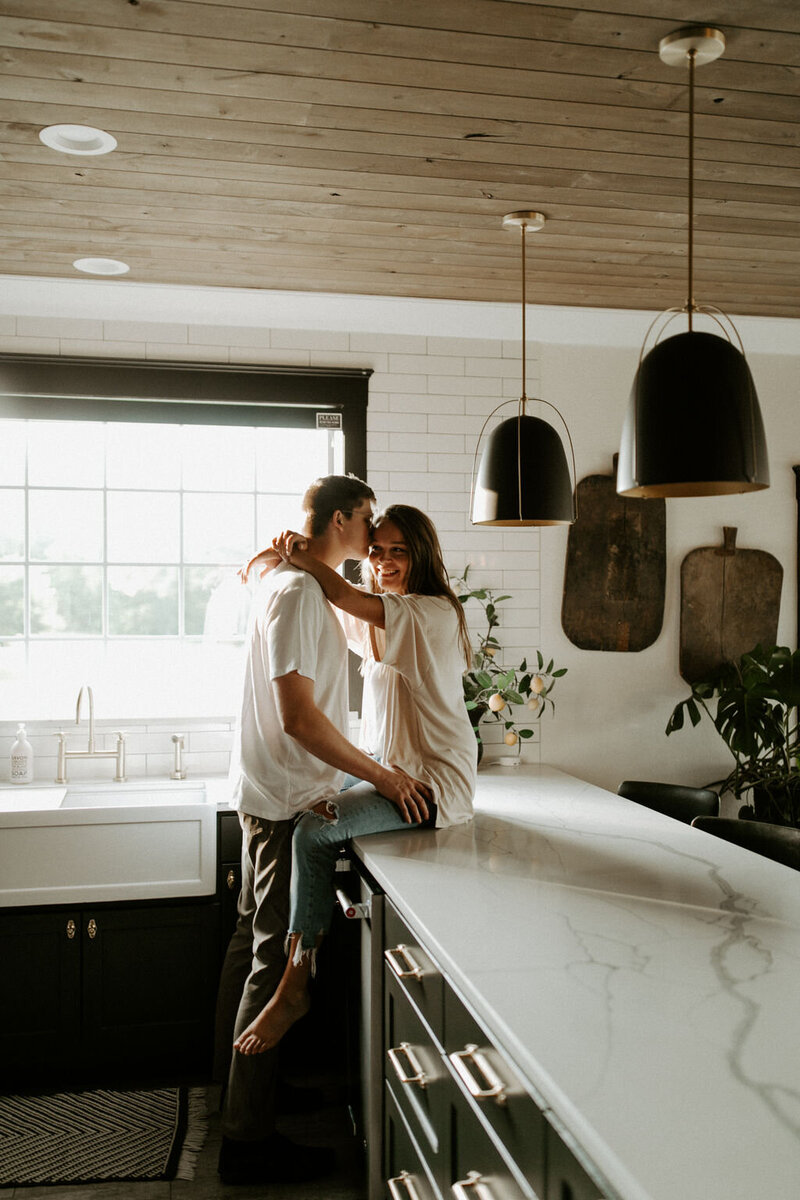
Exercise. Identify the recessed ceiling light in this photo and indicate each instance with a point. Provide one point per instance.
(101, 266)
(77, 139)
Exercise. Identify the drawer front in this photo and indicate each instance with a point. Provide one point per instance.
(416, 1074)
(406, 1177)
(478, 1170)
(566, 1178)
(413, 969)
(493, 1092)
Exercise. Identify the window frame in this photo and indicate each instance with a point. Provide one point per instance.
(56, 387)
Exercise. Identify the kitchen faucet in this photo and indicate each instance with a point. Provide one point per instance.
(89, 752)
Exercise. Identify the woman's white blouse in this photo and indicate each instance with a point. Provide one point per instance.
(414, 715)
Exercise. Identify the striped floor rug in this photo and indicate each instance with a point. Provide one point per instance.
(88, 1137)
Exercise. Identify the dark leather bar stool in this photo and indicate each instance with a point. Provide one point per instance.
(671, 799)
(778, 842)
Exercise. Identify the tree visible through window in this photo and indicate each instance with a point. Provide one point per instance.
(119, 544)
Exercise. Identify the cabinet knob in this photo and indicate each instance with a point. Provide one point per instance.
(409, 968)
(418, 1075)
(70, 929)
(406, 1182)
(91, 928)
(496, 1089)
(471, 1187)
(230, 879)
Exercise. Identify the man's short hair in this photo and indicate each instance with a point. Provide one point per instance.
(329, 494)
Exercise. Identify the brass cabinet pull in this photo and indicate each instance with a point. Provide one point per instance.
(471, 1187)
(91, 928)
(410, 969)
(405, 1181)
(230, 879)
(70, 929)
(418, 1077)
(495, 1091)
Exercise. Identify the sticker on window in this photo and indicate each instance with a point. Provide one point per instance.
(329, 420)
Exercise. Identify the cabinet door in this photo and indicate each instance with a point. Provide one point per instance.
(478, 1168)
(39, 994)
(566, 1178)
(406, 1177)
(149, 987)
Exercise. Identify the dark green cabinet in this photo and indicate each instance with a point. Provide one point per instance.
(107, 993)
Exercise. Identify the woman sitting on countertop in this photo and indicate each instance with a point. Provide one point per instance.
(410, 631)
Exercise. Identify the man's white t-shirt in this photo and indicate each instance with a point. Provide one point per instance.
(294, 629)
(414, 714)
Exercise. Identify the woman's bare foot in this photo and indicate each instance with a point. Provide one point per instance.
(272, 1023)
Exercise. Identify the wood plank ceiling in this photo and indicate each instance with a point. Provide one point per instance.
(373, 146)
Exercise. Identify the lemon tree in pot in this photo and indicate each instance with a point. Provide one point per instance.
(491, 689)
(757, 698)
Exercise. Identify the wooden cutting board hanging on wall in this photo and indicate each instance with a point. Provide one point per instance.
(730, 601)
(615, 569)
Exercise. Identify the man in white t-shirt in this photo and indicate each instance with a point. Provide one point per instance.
(290, 752)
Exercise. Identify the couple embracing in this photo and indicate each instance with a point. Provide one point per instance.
(302, 789)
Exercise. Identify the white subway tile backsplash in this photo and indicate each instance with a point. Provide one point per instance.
(388, 343)
(428, 364)
(230, 335)
(396, 460)
(12, 344)
(260, 356)
(145, 331)
(177, 352)
(349, 358)
(395, 422)
(61, 327)
(425, 403)
(429, 481)
(305, 339)
(467, 385)
(105, 349)
(394, 381)
(486, 347)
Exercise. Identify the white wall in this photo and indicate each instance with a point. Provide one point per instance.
(440, 368)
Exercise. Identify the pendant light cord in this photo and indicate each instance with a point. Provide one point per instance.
(692, 54)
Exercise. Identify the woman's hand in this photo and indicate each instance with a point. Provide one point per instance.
(409, 794)
(287, 542)
(265, 560)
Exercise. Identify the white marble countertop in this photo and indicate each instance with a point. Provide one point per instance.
(643, 976)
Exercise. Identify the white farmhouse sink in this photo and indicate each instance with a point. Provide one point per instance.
(145, 839)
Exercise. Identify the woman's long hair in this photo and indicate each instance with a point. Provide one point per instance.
(427, 575)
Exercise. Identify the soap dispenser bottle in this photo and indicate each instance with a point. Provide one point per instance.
(21, 758)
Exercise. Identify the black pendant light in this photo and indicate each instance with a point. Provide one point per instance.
(693, 426)
(523, 477)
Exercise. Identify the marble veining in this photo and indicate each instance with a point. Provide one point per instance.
(642, 976)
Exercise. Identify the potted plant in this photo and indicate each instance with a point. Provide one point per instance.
(756, 716)
(490, 689)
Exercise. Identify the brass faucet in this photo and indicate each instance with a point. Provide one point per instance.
(89, 752)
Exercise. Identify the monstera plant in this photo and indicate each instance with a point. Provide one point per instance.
(755, 714)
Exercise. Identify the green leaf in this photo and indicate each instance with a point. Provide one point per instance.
(560, 672)
(525, 733)
(540, 659)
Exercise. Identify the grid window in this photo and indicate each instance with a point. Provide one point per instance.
(119, 545)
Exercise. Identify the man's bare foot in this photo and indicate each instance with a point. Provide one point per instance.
(271, 1024)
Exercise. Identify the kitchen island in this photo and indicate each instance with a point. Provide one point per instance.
(642, 977)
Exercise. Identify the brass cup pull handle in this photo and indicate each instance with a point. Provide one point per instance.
(70, 927)
(472, 1188)
(409, 968)
(230, 879)
(406, 1182)
(495, 1089)
(418, 1075)
(91, 928)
